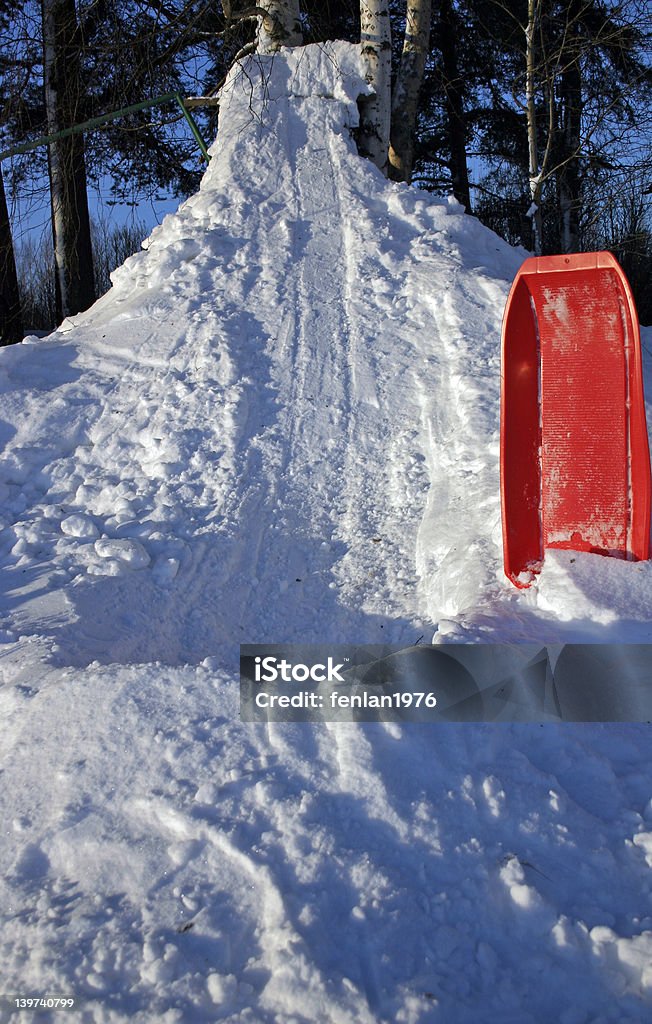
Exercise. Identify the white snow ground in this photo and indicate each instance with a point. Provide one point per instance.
(281, 424)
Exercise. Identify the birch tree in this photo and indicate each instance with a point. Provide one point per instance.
(535, 170)
(376, 110)
(279, 24)
(71, 236)
(585, 75)
(405, 98)
(569, 184)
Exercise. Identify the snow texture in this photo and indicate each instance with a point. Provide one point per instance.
(281, 424)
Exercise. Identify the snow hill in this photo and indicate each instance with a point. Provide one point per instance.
(281, 424)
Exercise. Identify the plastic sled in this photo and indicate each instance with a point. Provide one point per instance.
(574, 454)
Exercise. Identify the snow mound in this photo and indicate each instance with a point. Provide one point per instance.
(290, 396)
(272, 402)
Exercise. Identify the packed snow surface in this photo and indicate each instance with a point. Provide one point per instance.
(281, 424)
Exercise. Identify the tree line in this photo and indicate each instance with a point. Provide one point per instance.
(535, 114)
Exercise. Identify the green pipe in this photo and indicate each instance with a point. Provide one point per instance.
(95, 122)
(193, 126)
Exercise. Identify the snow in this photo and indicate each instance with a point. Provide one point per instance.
(281, 425)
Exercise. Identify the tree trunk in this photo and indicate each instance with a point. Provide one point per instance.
(375, 110)
(456, 120)
(534, 171)
(569, 178)
(11, 324)
(71, 235)
(406, 89)
(280, 25)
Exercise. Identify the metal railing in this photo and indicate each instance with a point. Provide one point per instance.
(96, 122)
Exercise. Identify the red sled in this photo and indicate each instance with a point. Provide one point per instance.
(574, 453)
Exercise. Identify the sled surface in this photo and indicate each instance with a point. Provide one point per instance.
(574, 454)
